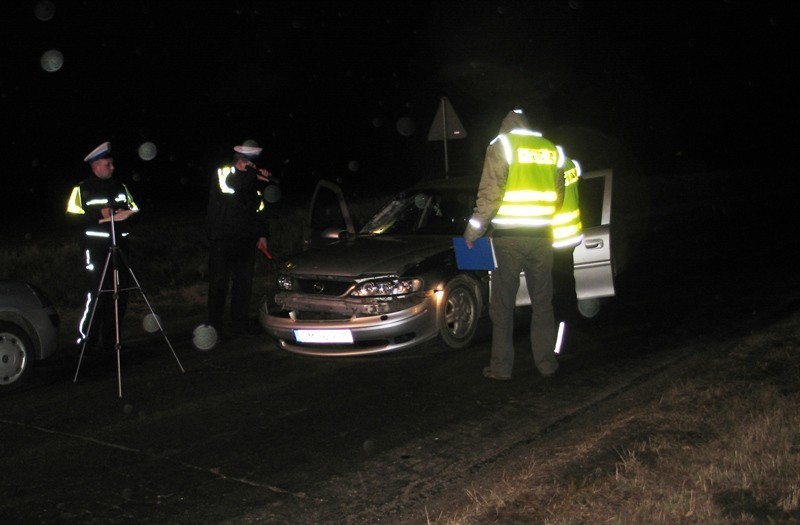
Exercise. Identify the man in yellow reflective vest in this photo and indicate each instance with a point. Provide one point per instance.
(89, 208)
(520, 191)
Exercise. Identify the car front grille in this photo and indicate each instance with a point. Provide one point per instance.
(323, 287)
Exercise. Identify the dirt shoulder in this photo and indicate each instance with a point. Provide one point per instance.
(657, 443)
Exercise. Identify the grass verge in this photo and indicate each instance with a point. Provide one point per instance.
(717, 445)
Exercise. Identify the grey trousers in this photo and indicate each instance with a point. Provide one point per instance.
(534, 256)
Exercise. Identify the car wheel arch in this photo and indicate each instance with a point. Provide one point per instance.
(23, 323)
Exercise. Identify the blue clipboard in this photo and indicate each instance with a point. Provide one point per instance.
(480, 257)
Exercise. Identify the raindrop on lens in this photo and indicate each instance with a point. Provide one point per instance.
(151, 323)
(45, 10)
(405, 126)
(52, 60)
(147, 151)
(370, 446)
(204, 337)
(353, 165)
(272, 194)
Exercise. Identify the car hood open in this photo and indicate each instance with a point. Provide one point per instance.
(369, 255)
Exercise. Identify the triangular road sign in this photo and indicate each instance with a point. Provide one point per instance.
(446, 124)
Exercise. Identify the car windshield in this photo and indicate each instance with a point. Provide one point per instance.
(428, 212)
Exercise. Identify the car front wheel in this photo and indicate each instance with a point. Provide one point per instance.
(16, 356)
(458, 313)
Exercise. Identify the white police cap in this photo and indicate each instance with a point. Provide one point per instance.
(251, 152)
(102, 151)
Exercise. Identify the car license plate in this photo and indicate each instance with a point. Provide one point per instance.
(323, 336)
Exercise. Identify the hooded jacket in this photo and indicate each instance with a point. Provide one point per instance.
(521, 184)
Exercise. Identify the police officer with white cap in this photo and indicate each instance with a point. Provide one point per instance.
(237, 225)
(89, 208)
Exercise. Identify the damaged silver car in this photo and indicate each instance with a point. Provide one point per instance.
(395, 284)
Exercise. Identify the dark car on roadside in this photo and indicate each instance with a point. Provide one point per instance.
(395, 283)
(29, 331)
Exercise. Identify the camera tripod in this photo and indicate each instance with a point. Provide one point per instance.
(117, 261)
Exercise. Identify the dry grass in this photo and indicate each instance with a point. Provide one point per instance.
(720, 446)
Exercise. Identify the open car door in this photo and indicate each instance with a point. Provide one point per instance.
(328, 216)
(593, 258)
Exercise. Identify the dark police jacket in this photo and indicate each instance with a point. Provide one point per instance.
(236, 208)
(85, 209)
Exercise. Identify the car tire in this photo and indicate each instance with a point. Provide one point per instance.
(458, 313)
(16, 356)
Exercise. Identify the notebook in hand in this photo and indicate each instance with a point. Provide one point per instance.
(480, 257)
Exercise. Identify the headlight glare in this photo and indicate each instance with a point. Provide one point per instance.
(284, 282)
(387, 287)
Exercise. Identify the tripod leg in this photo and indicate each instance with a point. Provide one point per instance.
(150, 307)
(117, 346)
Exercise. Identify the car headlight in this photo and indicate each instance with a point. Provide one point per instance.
(386, 287)
(284, 282)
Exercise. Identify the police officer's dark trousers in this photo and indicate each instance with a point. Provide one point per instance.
(230, 262)
(102, 331)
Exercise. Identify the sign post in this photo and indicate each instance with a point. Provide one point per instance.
(446, 125)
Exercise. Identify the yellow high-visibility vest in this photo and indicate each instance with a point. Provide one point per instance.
(534, 164)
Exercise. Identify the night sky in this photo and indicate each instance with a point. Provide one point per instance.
(348, 90)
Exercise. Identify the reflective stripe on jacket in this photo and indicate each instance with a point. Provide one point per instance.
(531, 194)
(567, 225)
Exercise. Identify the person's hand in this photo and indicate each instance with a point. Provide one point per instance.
(119, 215)
(264, 175)
(470, 244)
